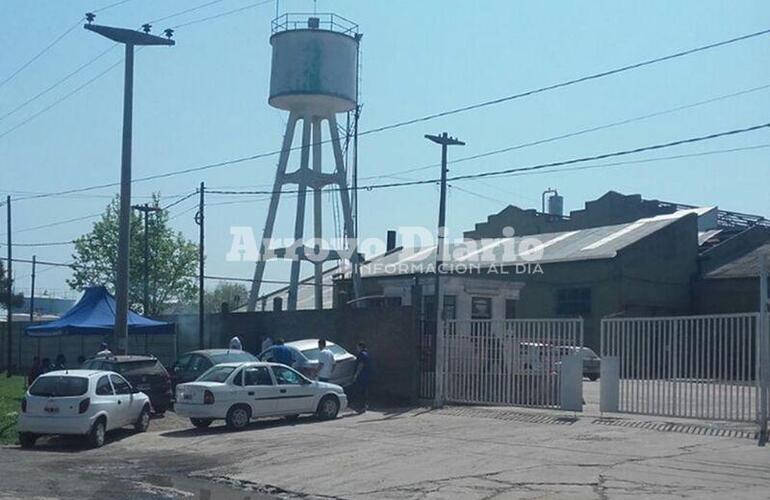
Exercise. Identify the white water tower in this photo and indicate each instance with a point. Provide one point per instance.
(314, 76)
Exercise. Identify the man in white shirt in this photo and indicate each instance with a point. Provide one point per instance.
(326, 361)
(104, 351)
(267, 343)
(235, 344)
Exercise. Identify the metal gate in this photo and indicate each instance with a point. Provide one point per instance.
(532, 362)
(702, 367)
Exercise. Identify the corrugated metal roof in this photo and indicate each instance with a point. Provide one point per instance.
(584, 244)
(742, 267)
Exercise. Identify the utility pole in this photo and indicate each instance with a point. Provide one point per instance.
(146, 209)
(9, 291)
(438, 299)
(130, 38)
(200, 220)
(32, 291)
(763, 337)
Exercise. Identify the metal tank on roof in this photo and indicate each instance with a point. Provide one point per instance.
(315, 63)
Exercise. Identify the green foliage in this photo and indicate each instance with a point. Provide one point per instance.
(173, 260)
(235, 294)
(17, 299)
(11, 393)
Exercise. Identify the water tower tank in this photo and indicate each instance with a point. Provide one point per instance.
(556, 205)
(315, 63)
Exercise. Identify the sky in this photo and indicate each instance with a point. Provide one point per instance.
(205, 101)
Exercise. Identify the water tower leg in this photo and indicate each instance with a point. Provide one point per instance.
(299, 223)
(283, 160)
(347, 212)
(317, 212)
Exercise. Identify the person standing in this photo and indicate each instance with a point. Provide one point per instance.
(35, 371)
(235, 344)
(362, 378)
(267, 343)
(282, 354)
(326, 362)
(104, 351)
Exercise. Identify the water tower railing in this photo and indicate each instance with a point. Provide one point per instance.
(326, 21)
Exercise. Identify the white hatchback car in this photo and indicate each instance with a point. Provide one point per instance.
(238, 392)
(81, 402)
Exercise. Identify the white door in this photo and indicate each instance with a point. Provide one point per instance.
(261, 391)
(126, 406)
(295, 393)
(104, 397)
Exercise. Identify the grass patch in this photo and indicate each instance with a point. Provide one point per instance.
(11, 392)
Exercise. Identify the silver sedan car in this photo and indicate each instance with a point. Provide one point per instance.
(305, 360)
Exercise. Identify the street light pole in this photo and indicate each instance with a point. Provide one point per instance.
(130, 38)
(438, 298)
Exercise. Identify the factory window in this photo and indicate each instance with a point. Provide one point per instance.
(450, 306)
(481, 308)
(510, 309)
(573, 301)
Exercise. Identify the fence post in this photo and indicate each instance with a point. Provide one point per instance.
(764, 351)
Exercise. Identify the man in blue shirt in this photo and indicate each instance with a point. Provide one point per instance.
(282, 354)
(362, 377)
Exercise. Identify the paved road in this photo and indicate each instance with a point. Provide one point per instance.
(456, 452)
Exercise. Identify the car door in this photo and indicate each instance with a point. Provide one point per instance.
(124, 400)
(198, 365)
(295, 393)
(261, 391)
(106, 399)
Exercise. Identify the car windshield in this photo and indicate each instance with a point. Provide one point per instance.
(217, 374)
(312, 353)
(63, 386)
(232, 357)
(136, 367)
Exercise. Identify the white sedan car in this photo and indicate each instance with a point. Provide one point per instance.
(238, 392)
(81, 402)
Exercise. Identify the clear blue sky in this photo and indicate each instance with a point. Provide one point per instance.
(205, 100)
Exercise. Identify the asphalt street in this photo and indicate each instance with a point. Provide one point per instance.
(419, 453)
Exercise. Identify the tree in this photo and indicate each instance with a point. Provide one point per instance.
(235, 294)
(17, 300)
(173, 260)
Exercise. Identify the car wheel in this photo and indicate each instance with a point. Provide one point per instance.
(27, 439)
(328, 408)
(201, 423)
(238, 417)
(98, 434)
(143, 422)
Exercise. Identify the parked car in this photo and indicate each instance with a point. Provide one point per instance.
(145, 373)
(191, 365)
(591, 361)
(239, 392)
(305, 356)
(86, 403)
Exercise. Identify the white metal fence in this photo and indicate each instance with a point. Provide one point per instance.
(527, 362)
(702, 367)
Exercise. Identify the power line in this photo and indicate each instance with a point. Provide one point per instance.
(427, 117)
(45, 244)
(40, 54)
(186, 11)
(492, 173)
(102, 9)
(61, 99)
(223, 14)
(576, 133)
(59, 82)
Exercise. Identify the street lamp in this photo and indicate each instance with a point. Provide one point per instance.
(130, 38)
(438, 299)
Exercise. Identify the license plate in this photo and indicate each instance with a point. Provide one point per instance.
(51, 409)
(143, 387)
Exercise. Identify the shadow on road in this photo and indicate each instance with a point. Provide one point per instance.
(255, 425)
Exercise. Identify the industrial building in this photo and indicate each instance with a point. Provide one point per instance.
(619, 256)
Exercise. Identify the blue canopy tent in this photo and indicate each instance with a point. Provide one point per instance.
(94, 314)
